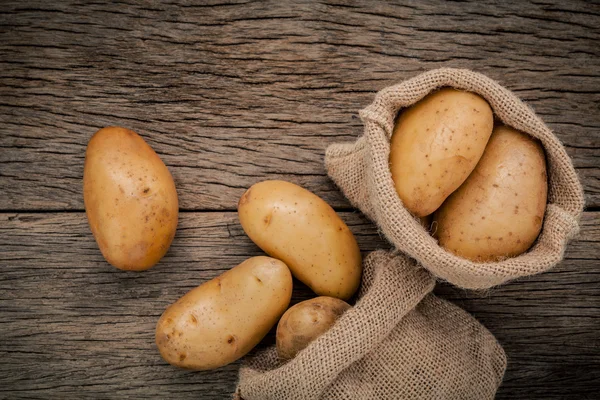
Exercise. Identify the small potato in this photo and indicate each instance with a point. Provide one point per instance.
(306, 321)
(498, 212)
(223, 319)
(296, 226)
(130, 199)
(435, 145)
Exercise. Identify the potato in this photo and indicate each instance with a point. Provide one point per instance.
(296, 226)
(306, 321)
(435, 145)
(223, 319)
(497, 213)
(130, 199)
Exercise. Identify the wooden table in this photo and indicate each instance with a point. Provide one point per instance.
(230, 94)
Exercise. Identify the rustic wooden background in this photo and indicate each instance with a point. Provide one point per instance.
(233, 93)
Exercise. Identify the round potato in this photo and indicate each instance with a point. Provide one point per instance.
(306, 321)
(498, 212)
(435, 145)
(223, 319)
(296, 226)
(130, 199)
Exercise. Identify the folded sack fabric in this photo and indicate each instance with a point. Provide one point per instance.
(398, 342)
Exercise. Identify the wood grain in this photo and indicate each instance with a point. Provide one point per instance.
(73, 326)
(233, 92)
(230, 94)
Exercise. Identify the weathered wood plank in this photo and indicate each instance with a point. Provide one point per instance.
(233, 94)
(75, 327)
(230, 94)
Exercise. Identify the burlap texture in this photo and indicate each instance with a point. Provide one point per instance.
(361, 171)
(398, 342)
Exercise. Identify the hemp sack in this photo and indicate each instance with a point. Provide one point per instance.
(398, 342)
(361, 171)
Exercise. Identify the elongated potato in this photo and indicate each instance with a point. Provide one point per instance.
(306, 321)
(296, 226)
(498, 212)
(435, 145)
(223, 319)
(130, 199)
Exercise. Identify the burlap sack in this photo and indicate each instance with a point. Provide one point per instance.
(361, 171)
(398, 342)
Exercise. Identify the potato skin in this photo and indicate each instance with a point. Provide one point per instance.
(130, 199)
(498, 212)
(435, 145)
(296, 226)
(224, 318)
(306, 321)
